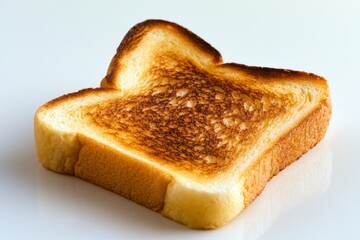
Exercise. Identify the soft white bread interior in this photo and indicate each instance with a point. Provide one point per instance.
(178, 131)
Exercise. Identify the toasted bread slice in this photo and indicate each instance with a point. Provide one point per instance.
(178, 131)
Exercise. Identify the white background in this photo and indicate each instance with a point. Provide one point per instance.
(49, 48)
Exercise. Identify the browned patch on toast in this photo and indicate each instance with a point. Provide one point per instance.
(188, 118)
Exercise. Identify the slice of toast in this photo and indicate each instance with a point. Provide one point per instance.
(179, 132)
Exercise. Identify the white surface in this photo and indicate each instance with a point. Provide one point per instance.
(49, 48)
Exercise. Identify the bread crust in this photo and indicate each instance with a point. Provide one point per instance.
(273, 74)
(121, 173)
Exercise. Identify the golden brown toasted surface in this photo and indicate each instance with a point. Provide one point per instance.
(188, 118)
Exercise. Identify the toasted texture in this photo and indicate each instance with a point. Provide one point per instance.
(178, 131)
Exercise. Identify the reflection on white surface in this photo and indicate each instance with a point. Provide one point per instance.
(68, 200)
(306, 178)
